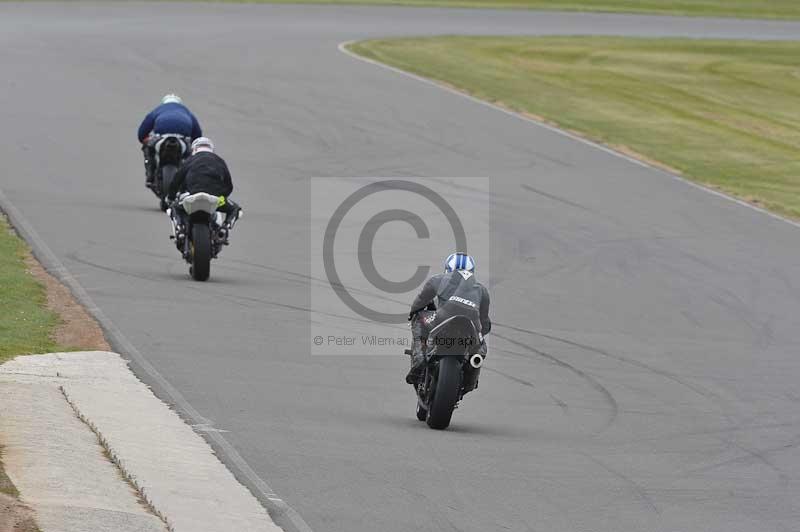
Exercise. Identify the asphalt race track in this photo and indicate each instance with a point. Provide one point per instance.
(644, 368)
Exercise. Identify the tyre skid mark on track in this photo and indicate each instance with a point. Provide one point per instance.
(607, 396)
(751, 455)
(322, 282)
(236, 299)
(721, 403)
(728, 300)
(717, 432)
(510, 377)
(619, 358)
(557, 199)
(561, 404)
(635, 487)
(728, 443)
(288, 276)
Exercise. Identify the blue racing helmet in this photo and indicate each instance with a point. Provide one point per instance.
(459, 261)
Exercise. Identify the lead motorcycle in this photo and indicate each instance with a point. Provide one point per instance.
(169, 151)
(451, 370)
(204, 233)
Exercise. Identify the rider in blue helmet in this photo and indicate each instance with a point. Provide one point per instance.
(454, 292)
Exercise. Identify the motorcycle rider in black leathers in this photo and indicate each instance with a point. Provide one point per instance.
(455, 292)
(203, 171)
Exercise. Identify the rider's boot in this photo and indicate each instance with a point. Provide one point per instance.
(149, 167)
(417, 354)
(227, 226)
(232, 216)
(180, 226)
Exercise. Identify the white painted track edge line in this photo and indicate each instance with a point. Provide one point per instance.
(283, 514)
(428, 81)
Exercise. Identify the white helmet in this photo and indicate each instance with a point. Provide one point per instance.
(171, 98)
(202, 144)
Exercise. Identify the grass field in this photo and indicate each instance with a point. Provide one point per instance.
(25, 324)
(776, 9)
(723, 113)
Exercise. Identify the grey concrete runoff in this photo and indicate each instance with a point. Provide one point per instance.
(92, 449)
(58, 463)
(643, 369)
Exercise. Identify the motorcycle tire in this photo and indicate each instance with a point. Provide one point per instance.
(167, 175)
(201, 252)
(445, 397)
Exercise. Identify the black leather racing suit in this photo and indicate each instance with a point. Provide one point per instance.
(454, 293)
(204, 172)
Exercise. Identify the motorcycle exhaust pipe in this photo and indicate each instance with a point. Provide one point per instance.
(476, 360)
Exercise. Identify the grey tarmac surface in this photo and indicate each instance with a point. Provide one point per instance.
(644, 365)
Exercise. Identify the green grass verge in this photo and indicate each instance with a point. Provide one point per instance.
(773, 9)
(26, 324)
(723, 113)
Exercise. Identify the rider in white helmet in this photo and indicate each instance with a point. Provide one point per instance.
(205, 171)
(170, 117)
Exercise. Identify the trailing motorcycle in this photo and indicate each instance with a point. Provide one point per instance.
(200, 231)
(451, 370)
(169, 151)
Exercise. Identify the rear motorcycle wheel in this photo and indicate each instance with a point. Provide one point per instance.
(201, 252)
(167, 175)
(445, 397)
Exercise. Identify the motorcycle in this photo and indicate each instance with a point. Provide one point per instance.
(201, 234)
(451, 370)
(169, 151)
